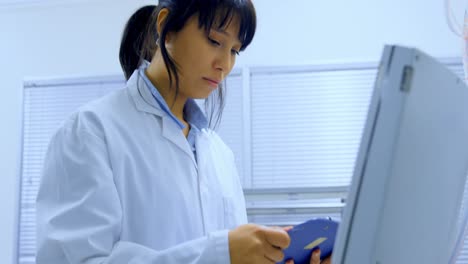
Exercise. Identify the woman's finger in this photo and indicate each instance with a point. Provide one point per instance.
(315, 258)
(274, 254)
(326, 261)
(277, 237)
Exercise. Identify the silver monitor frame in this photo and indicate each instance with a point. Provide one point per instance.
(404, 200)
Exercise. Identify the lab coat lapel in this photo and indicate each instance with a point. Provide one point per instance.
(144, 102)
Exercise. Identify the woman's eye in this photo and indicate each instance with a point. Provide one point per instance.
(214, 42)
(235, 52)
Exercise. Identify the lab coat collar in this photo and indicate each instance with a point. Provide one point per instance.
(145, 102)
(141, 95)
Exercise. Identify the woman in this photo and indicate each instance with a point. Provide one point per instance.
(138, 176)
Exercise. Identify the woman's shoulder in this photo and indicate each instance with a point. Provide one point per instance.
(100, 114)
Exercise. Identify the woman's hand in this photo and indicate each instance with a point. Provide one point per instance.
(314, 259)
(257, 244)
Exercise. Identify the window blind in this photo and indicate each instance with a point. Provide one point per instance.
(231, 125)
(307, 124)
(295, 133)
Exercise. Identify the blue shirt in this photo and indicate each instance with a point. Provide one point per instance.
(192, 112)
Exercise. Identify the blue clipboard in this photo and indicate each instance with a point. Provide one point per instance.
(308, 236)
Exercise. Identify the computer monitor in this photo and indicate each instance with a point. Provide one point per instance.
(407, 189)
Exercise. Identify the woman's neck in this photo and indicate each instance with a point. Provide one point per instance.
(158, 76)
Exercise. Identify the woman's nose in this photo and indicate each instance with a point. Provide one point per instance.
(223, 62)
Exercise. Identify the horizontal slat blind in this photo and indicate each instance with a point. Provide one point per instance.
(306, 126)
(231, 126)
(295, 205)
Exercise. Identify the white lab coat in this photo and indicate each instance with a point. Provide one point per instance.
(121, 185)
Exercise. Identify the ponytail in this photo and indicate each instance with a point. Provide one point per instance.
(133, 37)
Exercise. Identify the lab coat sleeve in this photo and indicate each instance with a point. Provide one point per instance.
(79, 213)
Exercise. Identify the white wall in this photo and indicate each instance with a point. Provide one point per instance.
(309, 31)
(82, 38)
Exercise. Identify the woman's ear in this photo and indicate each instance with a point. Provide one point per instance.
(162, 16)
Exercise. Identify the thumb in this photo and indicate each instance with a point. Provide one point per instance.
(277, 237)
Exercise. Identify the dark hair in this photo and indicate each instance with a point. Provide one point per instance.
(133, 37)
(210, 13)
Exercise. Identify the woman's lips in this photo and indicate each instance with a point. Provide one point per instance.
(211, 81)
